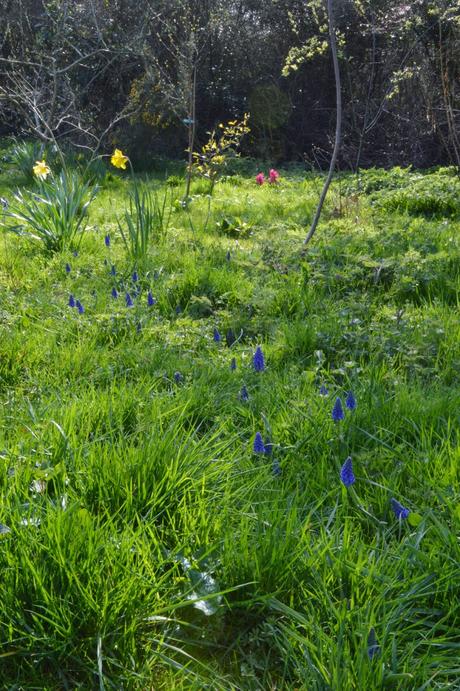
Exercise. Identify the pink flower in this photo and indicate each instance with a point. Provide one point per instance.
(260, 179)
(273, 176)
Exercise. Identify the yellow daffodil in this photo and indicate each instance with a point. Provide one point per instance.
(118, 159)
(41, 170)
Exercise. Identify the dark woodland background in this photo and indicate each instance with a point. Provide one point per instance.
(102, 72)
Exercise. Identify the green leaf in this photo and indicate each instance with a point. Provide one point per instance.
(414, 519)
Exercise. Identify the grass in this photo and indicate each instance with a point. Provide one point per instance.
(148, 546)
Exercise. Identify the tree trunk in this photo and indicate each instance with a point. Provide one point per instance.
(338, 125)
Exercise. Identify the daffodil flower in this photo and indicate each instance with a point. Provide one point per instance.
(118, 159)
(41, 170)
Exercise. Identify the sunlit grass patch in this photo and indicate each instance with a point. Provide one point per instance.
(144, 538)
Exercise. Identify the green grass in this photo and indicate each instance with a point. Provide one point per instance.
(148, 546)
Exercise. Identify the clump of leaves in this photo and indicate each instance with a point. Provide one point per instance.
(56, 214)
(174, 181)
(427, 196)
(234, 227)
(146, 220)
(24, 156)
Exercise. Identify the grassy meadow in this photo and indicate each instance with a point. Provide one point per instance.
(144, 543)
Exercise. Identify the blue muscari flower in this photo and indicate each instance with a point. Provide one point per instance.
(323, 391)
(80, 307)
(350, 401)
(258, 360)
(75, 253)
(373, 647)
(135, 277)
(178, 309)
(346, 473)
(113, 271)
(178, 377)
(71, 301)
(107, 240)
(150, 299)
(268, 447)
(244, 395)
(400, 511)
(67, 269)
(227, 256)
(217, 337)
(114, 293)
(276, 468)
(129, 300)
(337, 411)
(233, 364)
(258, 446)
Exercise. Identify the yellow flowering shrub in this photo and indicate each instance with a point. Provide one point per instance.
(211, 159)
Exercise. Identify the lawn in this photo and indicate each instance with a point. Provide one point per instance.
(147, 542)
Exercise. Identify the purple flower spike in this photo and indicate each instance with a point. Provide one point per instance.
(129, 300)
(80, 307)
(337, 411)
(323, 391)
(114, 293)
(71, 301)
(150, 299)
(373, 648)
(178, 377)
(276, 468)
(244, 395)
(258, 360)
(258, 444)
(346, 473)
(67, 269)
(233, 364)
(113, 271)
(135, 277)
(350, 401)
(217, 337)
(227, 256)
(400, 511)
(107, 240)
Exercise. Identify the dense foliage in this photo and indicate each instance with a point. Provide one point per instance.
(85, 70)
